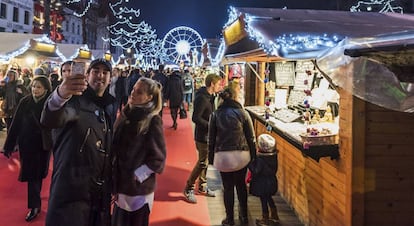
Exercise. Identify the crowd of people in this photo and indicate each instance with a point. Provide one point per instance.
(104, 129)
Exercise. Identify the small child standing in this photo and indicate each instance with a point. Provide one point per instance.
(263, 183)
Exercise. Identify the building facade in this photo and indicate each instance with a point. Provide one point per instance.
(16, 16)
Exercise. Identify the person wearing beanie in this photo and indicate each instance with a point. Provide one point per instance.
(263, 183)
(34, 142)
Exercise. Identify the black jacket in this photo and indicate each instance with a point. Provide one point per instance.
(203, 107)
(80, 192)
(175, 90)
(133, 149)
(162, 79)
(263, 169)
(26, 131)
(231, 128)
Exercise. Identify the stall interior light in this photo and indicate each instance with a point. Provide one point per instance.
(42, 47)
(84, 54)
(107, 56)
(30, 60)
(235, 32)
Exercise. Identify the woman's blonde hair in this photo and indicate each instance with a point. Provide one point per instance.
(152, 88)
(230, 91)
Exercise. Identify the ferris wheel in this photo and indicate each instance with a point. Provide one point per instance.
(183, 44)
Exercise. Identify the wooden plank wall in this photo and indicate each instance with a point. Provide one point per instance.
(389, 167)
(316, 190)
(319, 192)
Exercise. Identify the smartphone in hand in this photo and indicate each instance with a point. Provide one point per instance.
(78, 68)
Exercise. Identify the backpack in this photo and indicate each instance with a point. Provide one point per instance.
(188, 83)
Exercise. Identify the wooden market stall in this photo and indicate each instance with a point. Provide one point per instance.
(364, 174)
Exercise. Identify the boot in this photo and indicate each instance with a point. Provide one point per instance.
(243, 215)
(273, 215)
(228, 221)
(264, 221)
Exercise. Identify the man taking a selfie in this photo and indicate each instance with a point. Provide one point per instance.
(78, 113)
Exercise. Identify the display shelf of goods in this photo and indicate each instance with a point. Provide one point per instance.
(324, 134)
(319, 139)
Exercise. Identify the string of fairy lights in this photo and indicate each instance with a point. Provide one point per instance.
(129, 34)
(382, 6)
(138, 39)
(302, 43)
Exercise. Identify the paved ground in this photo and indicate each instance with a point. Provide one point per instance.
(216, 205)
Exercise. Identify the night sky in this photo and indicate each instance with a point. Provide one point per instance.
(208, 16)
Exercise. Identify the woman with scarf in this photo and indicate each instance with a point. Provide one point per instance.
(139, 154)
(33, 140)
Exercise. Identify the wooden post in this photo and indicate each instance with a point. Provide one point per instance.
(260, 86)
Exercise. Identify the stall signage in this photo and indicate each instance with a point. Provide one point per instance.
(285, 73)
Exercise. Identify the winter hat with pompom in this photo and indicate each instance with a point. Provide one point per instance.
(266, 143)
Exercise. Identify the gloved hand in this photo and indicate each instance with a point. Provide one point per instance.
(7, 153)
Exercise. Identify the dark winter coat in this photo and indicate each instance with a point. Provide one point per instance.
(203, 107)
(133, 149)
(121, 87)
(263, 169)
(162, 79)
(231, 128)
(175, 90)
(80, 192)
(26, 131)
(132, 79)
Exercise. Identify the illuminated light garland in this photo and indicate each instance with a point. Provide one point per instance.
(123, 10)
(291, 43)
(140, 37)
(233, 16)
(84, 47)
(26, 46)
(220, 53)
(384, 5)
(288, 43)
(88, 5)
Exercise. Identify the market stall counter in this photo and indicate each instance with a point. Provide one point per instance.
(293, 133)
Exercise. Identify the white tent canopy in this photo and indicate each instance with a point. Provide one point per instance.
(70, 51)
(10, 42)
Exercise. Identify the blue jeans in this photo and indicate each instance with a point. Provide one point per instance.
(188, 97)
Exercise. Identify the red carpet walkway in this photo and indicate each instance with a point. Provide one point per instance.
(170, 208)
